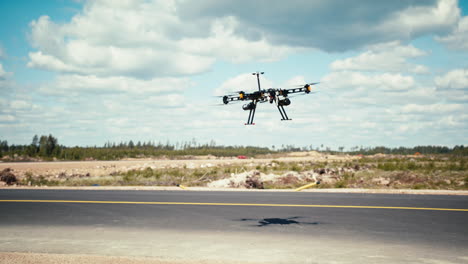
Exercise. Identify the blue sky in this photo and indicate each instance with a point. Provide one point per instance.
(391, 73)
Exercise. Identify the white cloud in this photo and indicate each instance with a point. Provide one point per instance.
(432, 109)
(357, 81)
(77, 84)
(20, 104)
(417, 19)
(47, 62)
(295, 81)
(142, 39)
(419, 69)
(225, 44)
(390, 56)
(148, 39)
(455, 79)
(243, 82)
(170, 100)
(3, 73)
(458, 38)
(7, 118)
(351, 26)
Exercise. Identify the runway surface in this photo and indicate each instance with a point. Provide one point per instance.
(258, 227)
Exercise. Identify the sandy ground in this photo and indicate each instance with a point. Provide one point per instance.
(106, 168)
(99, 171)
(102, 168)
(41, 258)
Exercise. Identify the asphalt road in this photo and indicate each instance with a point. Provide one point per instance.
(238, 226)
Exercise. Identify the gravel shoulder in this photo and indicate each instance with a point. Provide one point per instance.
(43, 258)
(204, 189)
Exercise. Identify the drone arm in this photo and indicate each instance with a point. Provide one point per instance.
(307, 89)
(227, 99)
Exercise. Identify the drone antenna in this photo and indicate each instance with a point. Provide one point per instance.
(258, 78)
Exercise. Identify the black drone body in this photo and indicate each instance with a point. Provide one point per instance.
(278, 96)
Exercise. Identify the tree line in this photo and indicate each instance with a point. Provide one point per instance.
(46, 147)
(456, 150)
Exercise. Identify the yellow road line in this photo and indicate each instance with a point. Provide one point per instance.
(239, 204)
(305, 186)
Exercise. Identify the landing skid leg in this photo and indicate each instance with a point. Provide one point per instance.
(284, 116)
(251, 115)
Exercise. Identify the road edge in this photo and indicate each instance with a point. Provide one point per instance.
(187, 188)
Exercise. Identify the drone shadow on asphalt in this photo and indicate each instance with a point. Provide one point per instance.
(278, 221)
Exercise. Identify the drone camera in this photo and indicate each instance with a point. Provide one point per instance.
(248, 106)
(284, 102)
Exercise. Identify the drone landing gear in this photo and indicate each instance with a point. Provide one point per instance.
(284, 116)
(251, 115)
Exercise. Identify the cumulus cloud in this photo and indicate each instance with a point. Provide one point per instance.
(320, 24)
(458, 38)
(20, 104)
(147, 39)
(432, 108)
(142, 39)
(91, 84)
(243, 82)
(170, 100)
(295, 81)
(3, 73)
(453, 86)
(71, 51)
(7, 118)
(361, 82)
(224, 43)
(392, 57)
(6, 82)
(455, 79)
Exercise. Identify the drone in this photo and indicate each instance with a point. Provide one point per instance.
(278, 96)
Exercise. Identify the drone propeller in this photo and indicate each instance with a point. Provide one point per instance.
(300, 94)
(302, 85)
(229, 95)
(230, 103)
